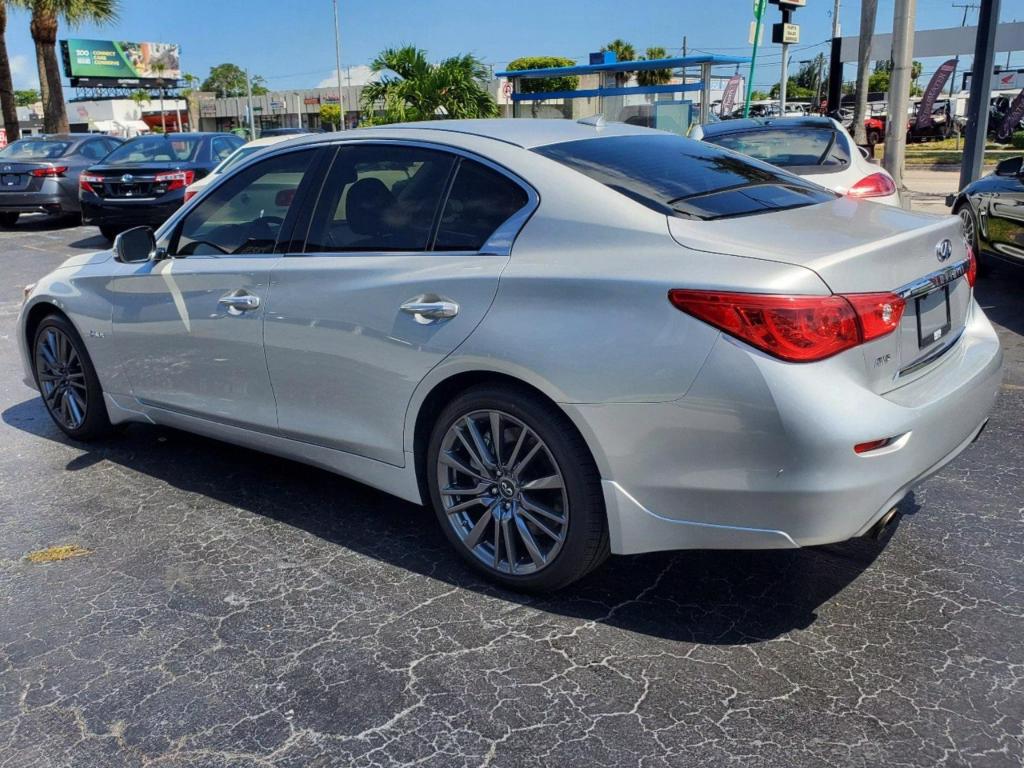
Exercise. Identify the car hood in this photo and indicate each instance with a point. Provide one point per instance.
(87, 259)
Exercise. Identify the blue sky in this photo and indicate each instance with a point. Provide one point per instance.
(292, 46)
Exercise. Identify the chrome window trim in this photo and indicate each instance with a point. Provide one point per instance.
(933, 280)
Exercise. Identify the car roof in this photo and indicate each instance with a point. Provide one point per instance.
(764, 123)
(521, 132)
(188, 135)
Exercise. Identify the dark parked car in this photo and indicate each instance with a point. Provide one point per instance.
(992, 212)
(39, 174)
(143, 181)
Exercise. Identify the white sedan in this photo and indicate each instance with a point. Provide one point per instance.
(230, 161)
(818, 148)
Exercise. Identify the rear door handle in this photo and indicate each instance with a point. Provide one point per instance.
(428, 309)
(239, 301)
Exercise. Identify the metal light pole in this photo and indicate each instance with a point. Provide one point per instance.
(248, 99)
(337, 54)
(785, 80)
(899, 89)
(977, 103)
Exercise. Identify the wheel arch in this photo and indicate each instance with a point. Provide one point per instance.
(438, 393)
(35, 314)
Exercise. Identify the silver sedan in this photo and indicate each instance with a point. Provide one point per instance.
(569, 339)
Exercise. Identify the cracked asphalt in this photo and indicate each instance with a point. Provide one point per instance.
(242, 610)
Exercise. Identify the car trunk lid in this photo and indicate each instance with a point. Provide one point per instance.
(17, 176)
(131, 181)
(858, 247)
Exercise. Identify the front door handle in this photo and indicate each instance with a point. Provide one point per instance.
(239, 301)
(427, 309)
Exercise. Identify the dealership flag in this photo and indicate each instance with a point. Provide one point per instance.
(924, 109)
(1013, 117)
(729, 95)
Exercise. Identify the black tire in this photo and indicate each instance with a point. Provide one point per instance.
(9, 218)
(966, 213)
(874, 137)
(96, 422)
(584, 545)
(109, 232)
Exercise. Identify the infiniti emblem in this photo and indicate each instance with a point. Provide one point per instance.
(507, 488)
(944, 250)
(128, 179)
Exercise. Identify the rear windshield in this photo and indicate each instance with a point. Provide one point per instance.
(686, 178)
(237, 156)
(154, 149)
(789, 148)
(34, 149)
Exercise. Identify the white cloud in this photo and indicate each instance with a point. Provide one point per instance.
(24, 73)
(360, 75)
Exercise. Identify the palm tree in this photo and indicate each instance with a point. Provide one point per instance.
(7, 103)
(654, 76)
(623, 52)
(424, 91)
(46, 17)
(868, 12)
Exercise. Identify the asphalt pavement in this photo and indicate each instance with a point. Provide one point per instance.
(235, 609)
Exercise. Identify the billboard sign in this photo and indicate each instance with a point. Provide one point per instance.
(120, 60)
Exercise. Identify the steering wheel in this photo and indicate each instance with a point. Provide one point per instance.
(265, 228)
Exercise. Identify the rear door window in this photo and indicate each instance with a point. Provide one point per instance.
(686, 178)
(480, 200)
(380, 197)
(94, 150)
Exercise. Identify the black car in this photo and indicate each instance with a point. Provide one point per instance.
(39, 174)
(992, 211)
(143, 181)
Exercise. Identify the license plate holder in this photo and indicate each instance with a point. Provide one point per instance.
(934, 319)
(10, 180)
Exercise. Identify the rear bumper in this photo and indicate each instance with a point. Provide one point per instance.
(38, 202)
(128, 213)
(759, 453)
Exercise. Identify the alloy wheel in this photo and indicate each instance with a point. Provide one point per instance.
(967, 220)
(503, 492)
(61, 378)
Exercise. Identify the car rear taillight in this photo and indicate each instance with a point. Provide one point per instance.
(800, 329)
(875, 185)
(86, 180)
(972, 266)
(57, 170)
(175, 179)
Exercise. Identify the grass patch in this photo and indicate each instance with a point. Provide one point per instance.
(56, 554)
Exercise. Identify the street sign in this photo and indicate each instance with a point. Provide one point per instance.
(789, 3)
(759, 6)
(750, 35)
(785, 33)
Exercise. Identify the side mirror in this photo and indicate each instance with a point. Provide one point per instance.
(135, 245)
(1010, 167)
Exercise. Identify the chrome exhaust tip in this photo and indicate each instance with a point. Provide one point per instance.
(883, 522)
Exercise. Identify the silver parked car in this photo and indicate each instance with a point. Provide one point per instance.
(39, 174)
(568, 339)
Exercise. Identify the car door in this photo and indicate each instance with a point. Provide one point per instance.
(400, 264)
(189, 328)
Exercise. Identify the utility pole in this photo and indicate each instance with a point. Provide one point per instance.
(684, 56)
(337, 55)
(785, 80)
(963, 23)
(899, 89)
(977, 104)
(248, 98)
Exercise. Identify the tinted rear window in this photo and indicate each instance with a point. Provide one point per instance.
(155, 149)
(790, 147)
(34, 149)
(686, 178)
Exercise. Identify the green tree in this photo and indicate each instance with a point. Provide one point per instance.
(330, 114)
(26, 97)
(8, 98)
(229, 80)
(654, 76)
(794, 91)
(758, 96)
(140, 97)
(544, 84)
(419, 90)
(623, 52)
(45, 23)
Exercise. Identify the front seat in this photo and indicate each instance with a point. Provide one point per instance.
(368, 204)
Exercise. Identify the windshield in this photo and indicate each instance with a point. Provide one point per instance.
(233, 159)
(34, 149)
(154, 149)
(686, 178)
(787, 147)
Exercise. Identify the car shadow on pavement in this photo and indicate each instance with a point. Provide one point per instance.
(705, 597)
(96, 242)
(41, 222)
(999, 291)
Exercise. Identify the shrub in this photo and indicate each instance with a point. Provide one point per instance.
(544, 84)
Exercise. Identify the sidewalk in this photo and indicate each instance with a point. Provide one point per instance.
(928, 188)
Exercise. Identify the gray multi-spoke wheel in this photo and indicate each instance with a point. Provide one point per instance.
(516, 490)
(970, 228)
(67, 380)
